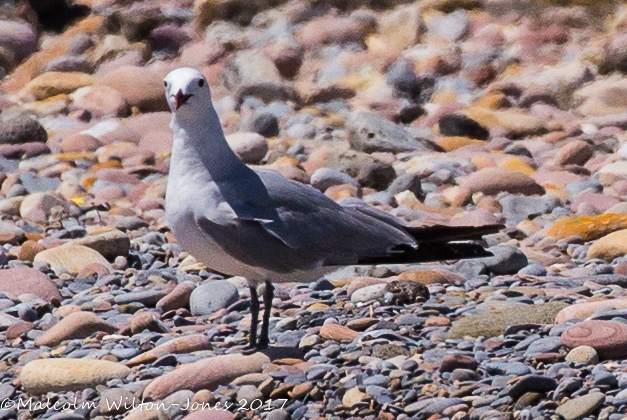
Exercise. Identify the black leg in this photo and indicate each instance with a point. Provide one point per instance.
(268, 295)
(254, 321)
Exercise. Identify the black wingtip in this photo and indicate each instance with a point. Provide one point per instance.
(444, 233)
(431, 252)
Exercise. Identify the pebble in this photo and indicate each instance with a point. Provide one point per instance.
(71, 258)
(76, 325)
(249, 147)
(55, 375)
(205, 374)
(608, 338)
(211, 296)
(18, 281)
(581, 407)
(583, 354)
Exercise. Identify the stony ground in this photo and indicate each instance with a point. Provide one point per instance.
(457, 112)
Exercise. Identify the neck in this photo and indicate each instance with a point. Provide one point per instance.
(208, 146)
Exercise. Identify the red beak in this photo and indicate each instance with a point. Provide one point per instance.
(180, 99)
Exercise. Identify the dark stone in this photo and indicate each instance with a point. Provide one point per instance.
(461, 125)
(266, 124)
(450, 362)
(532, 383)
(22, 129)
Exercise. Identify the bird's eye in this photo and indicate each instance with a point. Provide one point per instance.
(165, 84)
(201, 82)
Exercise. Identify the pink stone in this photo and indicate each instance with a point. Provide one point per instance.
(79, 143)
(205, 374)
(177, 298)
(608, 338)
(76, 325)
(491, 181)
(17, 281)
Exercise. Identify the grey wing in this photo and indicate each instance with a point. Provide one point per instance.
(291, 226)
(308, 221)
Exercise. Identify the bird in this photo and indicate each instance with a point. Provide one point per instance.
(252, 222)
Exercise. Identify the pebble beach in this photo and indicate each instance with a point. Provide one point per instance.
(439, 112)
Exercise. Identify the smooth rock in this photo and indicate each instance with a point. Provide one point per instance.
(62, 375)
(22, 129)
(251, 148)
(18, 281)
(587, 228)
(533, 383)
(206, 374)
(581, 407)
(38, 207)
(55, 83)
(109, 244)
(177, 298)
(77, 325)
(494, 322)
(584, 355)
(368, 132)
(338, 333)
(141, 87)
(610, 246)
(71, 258)
(183, 344)
(491, 181)
(608, 338)
(584, 310)
(211, 296)
(10, 234)
(100, 101)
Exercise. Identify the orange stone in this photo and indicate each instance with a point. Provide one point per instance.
(338, 333)
(587, 228)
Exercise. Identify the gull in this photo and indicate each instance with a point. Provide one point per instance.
(253, 222)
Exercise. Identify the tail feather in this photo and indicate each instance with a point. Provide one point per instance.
(443, 233)
(434, 251)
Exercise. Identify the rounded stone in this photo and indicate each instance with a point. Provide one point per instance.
(37, 207)
(581, 407)
(18, 281)
(610, 246)
(62, 375)
(71, 258)
(177, 298)
(100, 101)
(206, 374)
(585, 355)
(249, 147)
(184, 344)
(77, 325)
(22, 129)
(338, 333)
(450, 362)
(584, 310)
(55, 83)
(608, 338)
(211, 296)
(492, 181)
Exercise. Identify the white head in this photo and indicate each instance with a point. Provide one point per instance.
(187, 92)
